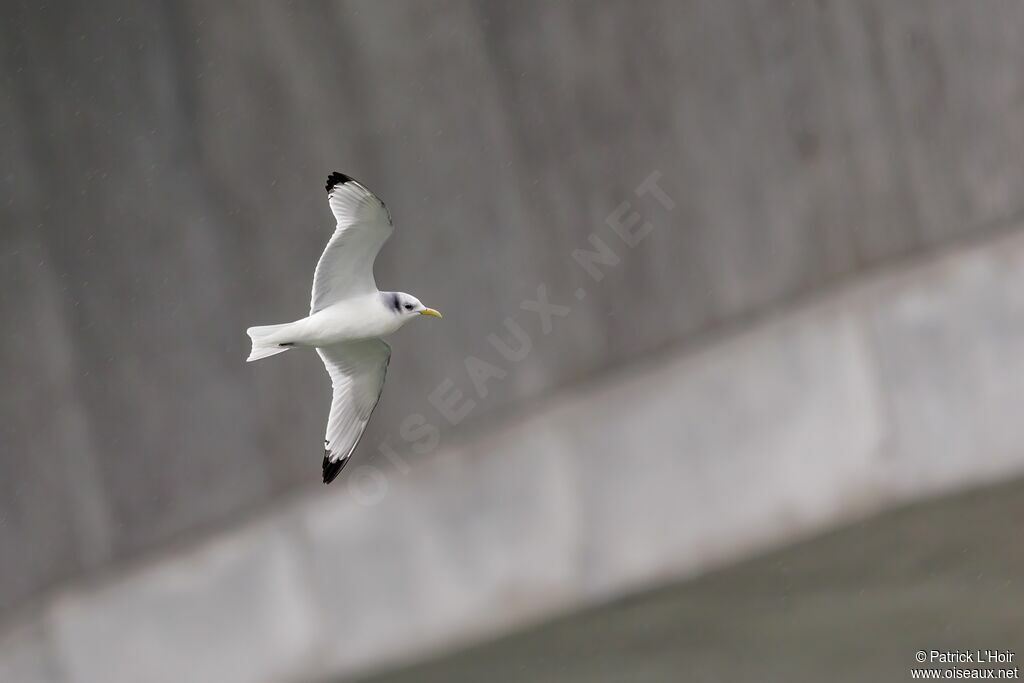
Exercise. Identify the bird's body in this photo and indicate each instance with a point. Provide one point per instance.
(362, 317)
(348, 316)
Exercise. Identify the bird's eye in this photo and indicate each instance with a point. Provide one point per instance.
(408, 307)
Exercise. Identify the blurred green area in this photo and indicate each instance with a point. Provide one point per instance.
(852, 605)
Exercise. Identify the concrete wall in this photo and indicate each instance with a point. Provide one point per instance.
(894, 388)
(164, 170)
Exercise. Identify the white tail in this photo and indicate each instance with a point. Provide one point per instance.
(266, 342)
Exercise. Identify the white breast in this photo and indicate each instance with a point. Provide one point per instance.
(364, 317)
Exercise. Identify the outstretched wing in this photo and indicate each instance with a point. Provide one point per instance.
(345, 268)
(357, 372)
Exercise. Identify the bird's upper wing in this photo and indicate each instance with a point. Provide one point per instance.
(345, 268)
(357, 372)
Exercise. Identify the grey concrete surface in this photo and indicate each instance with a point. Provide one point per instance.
(948, 350)
(944, 575)
(164, 164)
(750, 440)
(27, 654)
(234, 611)
(162, 191)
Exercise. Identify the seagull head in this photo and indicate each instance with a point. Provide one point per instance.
(407, 306)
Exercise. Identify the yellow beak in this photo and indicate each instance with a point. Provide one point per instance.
(431, 312)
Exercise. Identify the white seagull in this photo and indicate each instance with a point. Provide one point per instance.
(347, 317)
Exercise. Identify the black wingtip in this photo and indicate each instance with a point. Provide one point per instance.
(336, 179)
(332, 467)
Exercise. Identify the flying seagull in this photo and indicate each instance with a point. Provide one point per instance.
(347, 317)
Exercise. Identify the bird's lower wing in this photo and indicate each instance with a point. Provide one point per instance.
(357, 371)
